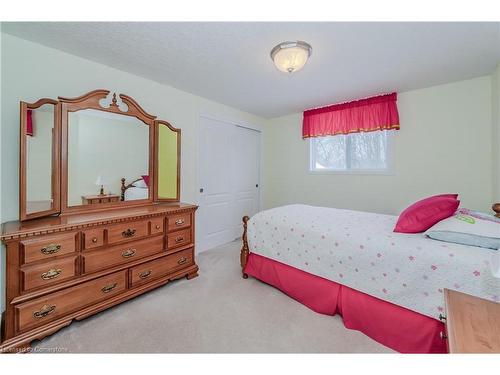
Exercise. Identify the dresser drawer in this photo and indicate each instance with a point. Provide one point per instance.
(48, 273)
(179, 221)
(48, 308)
(161, 267)
(157, 225)
(127, 231)
(48, 247)
(179, 238)
(120, 254)
(93, 238)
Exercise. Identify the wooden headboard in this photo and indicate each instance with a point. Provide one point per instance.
(496, 208)
(125, 187)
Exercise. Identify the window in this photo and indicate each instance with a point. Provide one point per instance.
(356, 152)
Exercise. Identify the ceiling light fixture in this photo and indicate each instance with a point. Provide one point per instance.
(290, 57)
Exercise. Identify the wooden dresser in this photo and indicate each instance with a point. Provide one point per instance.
(70, 267)
(472, 324)
(78, 254)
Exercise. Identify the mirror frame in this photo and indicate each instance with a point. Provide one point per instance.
(92, 100)
(157, 125)
(56, 151)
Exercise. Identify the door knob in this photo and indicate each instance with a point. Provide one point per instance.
(201, 190)
(256, 185)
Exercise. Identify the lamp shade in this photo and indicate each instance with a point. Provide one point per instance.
(100, 181)
(290, 57)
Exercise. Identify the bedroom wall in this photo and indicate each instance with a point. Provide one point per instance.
(30, 71)
(2, 252)
(39, 168)
(444, 145)
(495, 102)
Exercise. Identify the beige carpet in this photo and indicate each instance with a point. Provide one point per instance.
(218, 312)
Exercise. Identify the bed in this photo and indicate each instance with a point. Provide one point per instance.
(387, 285)
(137, 189)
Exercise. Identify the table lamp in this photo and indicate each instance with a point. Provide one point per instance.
(100, 182)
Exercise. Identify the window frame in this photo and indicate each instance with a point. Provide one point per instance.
(389, 171)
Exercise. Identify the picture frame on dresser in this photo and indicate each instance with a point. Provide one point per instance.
(75, 260)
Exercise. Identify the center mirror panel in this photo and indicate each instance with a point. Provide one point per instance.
(103, 149)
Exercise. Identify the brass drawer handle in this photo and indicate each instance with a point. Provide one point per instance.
(182, 260)
(442, 317)
(94, 240)
(157, 226)
(51, 274)
(44, 311)
(145, 274)
(108, 288)
(443, 335)
(179, 222)
(128, 253)
(50, 249)
(179, 239)
(128, 233)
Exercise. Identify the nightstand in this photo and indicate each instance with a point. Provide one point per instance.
(95, 199)
(472, 323)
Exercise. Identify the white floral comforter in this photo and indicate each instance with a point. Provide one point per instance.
(360, 250)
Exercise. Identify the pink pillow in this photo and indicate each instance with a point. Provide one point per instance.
(423, 214)
(146, 179)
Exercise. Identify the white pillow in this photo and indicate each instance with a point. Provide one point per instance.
(140, 184)
(467, 230)
(479, 215)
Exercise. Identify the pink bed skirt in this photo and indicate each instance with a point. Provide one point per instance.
(394, 326)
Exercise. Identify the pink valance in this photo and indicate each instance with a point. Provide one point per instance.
(365, 115)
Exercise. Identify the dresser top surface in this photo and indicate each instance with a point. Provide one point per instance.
(14, 229)
(473, 323)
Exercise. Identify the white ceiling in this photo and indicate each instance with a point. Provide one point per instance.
(229, 62)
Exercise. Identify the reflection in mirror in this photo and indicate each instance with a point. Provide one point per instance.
(103, 148)
(167, 162)
(39, 130)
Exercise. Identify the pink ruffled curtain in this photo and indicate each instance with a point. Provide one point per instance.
(29, 122)
(365, 115)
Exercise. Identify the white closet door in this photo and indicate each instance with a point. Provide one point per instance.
(246, 176)
(229, 161)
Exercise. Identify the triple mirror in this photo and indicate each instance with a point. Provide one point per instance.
(95, 152)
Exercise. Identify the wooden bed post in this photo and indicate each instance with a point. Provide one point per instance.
(496, 208)
(123, 188)
(245, 249)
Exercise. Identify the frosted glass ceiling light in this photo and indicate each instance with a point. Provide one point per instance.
(290, 57)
